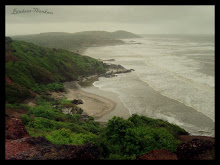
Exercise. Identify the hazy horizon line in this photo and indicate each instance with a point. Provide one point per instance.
(115, 31)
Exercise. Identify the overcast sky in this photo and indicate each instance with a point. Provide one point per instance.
(137, 19)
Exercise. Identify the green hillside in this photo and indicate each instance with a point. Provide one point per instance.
(33, 71)
(31, 68)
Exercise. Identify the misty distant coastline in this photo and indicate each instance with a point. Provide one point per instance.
(78, 41)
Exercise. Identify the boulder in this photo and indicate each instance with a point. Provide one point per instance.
(77, 101)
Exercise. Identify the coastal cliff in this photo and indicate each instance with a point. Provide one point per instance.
(37, 128)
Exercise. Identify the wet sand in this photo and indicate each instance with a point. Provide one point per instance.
(120, 110)
(93, 105)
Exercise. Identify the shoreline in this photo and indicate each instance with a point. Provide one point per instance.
(93, 105)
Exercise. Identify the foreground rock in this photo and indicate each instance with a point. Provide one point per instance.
(196, 149)
(190, 148)
(15, 129)
(38, 148)
(20, 146)
(161, 154)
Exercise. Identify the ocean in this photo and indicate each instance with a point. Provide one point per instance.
(173, 79)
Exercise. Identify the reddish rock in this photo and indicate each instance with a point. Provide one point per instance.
(160, 154)
(15, 129)
(20, 146)
(38, 148)
(196, 149)
(13, 147)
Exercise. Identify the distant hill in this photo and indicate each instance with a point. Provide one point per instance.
(120, 34)
(77, 41)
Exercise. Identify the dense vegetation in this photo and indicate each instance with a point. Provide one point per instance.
(32, 68)
(118, 139)
(76, 41)
(33, 71)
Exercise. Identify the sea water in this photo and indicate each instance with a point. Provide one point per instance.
(173, 79)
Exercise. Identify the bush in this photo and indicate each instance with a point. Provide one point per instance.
(116, 128)
(66, 136)
(157, 123)
(43, 111)
(134, 137)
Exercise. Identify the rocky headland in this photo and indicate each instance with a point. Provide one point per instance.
(114, 69)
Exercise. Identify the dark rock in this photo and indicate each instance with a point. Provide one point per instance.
(79, 111)
(77, 101)
(85, 152)
(196, 149)
(84, 117)
(38, 148)
(160, 154)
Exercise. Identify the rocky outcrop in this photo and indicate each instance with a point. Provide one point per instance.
(20, 146)
(190, 148)
(15, 129)
(77, 101)
(38, 148)
(161, 154)
(113, 69)
(196, 149)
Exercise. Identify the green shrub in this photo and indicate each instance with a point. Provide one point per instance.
(116, 129)
(66, 136)
(136, 136)
(157, 123)
(43, 111)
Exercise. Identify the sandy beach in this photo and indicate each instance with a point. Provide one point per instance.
(93, 105)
